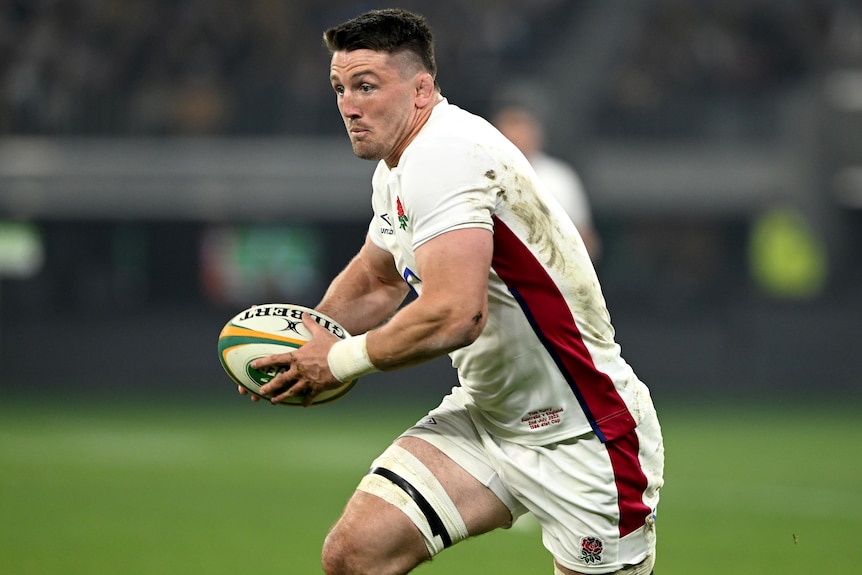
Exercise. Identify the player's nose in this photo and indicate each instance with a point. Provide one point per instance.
(347, 106)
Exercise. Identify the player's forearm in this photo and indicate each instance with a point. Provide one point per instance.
(420, 332)
(359, 299)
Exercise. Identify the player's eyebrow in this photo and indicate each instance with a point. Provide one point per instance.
(334, 76)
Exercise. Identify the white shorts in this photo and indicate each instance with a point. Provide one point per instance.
(595, 502)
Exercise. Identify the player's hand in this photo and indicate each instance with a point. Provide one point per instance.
(305, 371)
(244, 391)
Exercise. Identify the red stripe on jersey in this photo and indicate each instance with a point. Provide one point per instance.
(631, 482)
(552, 320)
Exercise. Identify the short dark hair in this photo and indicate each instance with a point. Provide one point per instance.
(391, 30)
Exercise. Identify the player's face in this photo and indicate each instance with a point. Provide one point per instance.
(375, 96)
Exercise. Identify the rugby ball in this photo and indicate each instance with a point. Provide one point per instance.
(265, 330)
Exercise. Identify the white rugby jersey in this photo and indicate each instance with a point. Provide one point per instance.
(546, 366)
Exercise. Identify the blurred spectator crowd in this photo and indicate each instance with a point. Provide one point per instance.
(219, 66)
(150, 67)
(701, 68)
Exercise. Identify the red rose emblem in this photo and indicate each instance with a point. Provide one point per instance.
(403, 220)
(591, 550)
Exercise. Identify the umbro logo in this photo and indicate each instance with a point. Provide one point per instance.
(386, 230)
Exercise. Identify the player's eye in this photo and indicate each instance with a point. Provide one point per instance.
(339, 90)
(366, 87)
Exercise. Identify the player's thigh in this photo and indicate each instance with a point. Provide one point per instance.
(374, 533)
(480, 509)
(414, 503)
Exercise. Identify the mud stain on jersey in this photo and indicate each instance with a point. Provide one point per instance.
(554, 245)
(558, 247)
(542, 230)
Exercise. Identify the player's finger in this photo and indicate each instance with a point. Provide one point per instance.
(283, 359)
(298, 389)
(278, 384)
(312, 326)
(244, 391)
(315, 329)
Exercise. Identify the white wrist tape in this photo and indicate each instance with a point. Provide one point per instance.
(348, 359)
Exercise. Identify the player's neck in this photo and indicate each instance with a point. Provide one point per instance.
(419, 120)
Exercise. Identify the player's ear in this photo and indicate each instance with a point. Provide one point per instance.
(424, 89)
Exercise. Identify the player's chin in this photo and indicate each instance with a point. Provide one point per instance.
(363, 151)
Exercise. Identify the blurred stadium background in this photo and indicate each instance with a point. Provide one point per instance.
(164, 164)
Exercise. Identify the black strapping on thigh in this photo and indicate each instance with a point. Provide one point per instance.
(437, 527)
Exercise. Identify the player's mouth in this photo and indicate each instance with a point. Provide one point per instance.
(358, 131)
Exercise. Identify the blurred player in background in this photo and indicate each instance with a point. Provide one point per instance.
(523, 127)
(548, 417)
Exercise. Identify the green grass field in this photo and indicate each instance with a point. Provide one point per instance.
(237, 488)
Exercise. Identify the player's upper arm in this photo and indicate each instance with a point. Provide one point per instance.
(454, 268)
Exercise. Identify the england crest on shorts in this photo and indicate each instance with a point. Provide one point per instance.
(591, 550)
